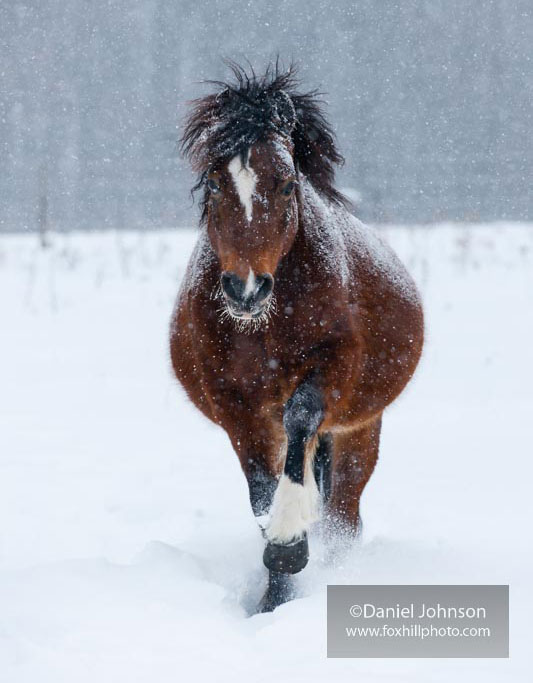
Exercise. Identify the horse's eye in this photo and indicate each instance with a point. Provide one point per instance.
(288, 188)
(213, 187)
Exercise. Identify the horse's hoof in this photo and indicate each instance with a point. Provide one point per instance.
(280, 590)
(286, 558)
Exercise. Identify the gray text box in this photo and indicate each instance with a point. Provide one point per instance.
(418, 621)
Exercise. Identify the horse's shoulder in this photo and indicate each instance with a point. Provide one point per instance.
(381, 262)
(348, 248)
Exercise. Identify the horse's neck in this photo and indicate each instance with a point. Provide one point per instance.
(304, 254)
(306, 211)
(314, 215)
(319, 242)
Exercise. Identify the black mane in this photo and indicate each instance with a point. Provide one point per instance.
(242, 113)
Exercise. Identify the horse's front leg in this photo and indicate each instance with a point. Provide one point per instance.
(295, 503)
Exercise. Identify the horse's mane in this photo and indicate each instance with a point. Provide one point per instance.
(226, 123)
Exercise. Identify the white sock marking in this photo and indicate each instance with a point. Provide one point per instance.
(294, 509)
(245, 180)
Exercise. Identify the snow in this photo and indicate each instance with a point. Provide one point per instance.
(128, 550)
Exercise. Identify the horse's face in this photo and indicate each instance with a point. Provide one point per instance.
(252, 222)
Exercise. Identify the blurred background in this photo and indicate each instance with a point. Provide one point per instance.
(431, 101)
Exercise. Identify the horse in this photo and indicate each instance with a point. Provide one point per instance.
(295, 325)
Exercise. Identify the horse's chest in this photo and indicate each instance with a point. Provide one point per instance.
(261, 363)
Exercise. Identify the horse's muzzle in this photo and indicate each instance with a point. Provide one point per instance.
(246, 299)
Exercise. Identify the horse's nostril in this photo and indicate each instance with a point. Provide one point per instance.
(266, 284)
(232, 285)
(246, 294)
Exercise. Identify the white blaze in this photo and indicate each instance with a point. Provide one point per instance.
(250, 283)
(245, 180)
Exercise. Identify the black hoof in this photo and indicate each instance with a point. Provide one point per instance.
(280, 590)
(289, 558)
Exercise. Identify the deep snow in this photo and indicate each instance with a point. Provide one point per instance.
(128, 551)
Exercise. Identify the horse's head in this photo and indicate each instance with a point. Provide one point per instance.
(249, 143)
(252, 219)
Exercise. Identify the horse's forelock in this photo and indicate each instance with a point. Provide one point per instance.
(227, 123)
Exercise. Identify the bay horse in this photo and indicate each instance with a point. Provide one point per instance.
(295, 325)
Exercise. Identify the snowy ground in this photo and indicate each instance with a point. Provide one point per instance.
(127, 548)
